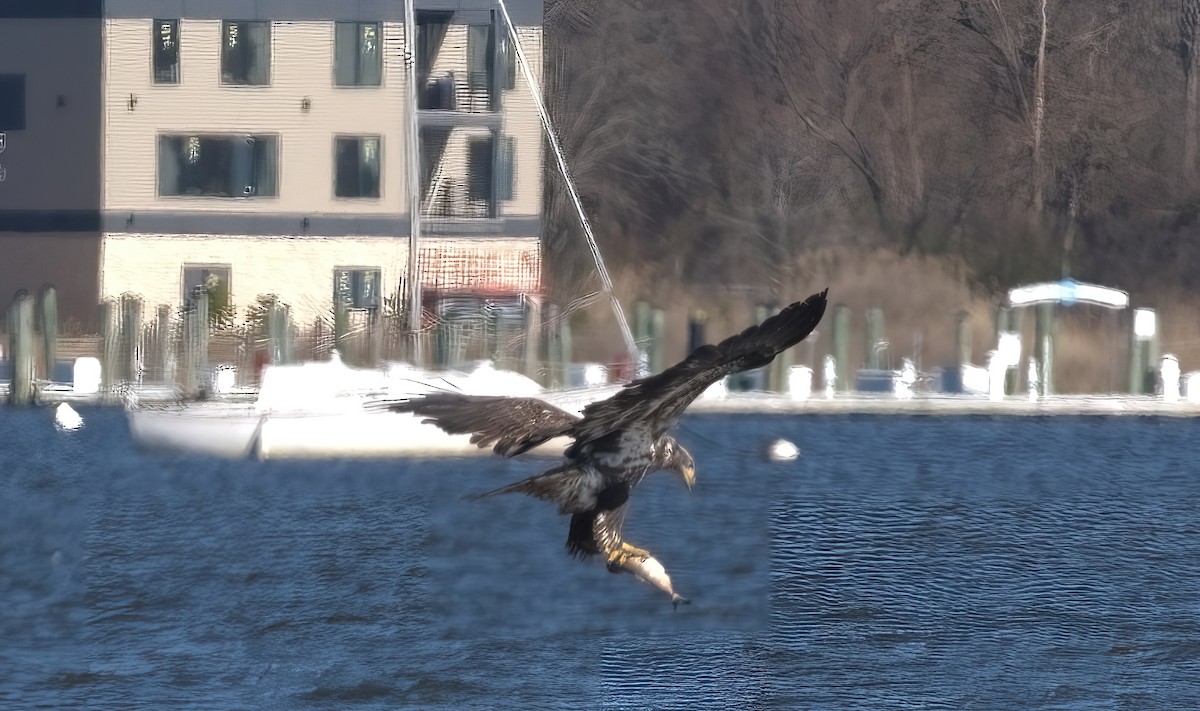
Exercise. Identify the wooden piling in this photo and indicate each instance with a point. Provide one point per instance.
(131, 338)
(963, 346)
(20, 339)
(641, 336)
(165, 362)
(49, 319)
(876, 341)
(841, 346)
(533, 330)
(657, 340)
(1043, 345)
(110, 345)
(279, 333)
(195, 345)
(341, 325)
(696, 327)
(564, 352)
(1143, 351)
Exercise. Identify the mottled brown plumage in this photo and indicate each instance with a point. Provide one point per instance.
(616, 441)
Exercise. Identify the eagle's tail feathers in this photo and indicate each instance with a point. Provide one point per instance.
(556, 485)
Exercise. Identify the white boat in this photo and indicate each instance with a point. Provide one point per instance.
(322, 410)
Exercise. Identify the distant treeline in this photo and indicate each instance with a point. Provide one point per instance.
(1026, 139)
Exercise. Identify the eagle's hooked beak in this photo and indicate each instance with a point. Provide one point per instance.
(688, 473)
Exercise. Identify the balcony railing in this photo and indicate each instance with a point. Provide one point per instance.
(450, 93)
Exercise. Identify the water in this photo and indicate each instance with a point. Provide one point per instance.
(901, 562)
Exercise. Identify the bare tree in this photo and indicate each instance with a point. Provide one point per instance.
(1189, 54)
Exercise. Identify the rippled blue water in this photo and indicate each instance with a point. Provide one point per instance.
(901, 562)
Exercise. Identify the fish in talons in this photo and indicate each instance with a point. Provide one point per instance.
(646, 568)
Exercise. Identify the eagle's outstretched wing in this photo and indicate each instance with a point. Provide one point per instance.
(656, 402)
(512, 424)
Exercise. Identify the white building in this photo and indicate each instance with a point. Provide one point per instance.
(258, 147)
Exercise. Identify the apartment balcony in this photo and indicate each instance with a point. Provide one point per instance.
(463, 69)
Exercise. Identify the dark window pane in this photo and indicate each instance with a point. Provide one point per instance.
(212, 284)
(246, 52)
(507, 57)
(165, 39)
(431, 30)
(357, 59)
(370, 56)
(356, 167)
(356, 288)
(12, 102)
(504, 168)
(219, 166)
(479, 57)
(480, 169)
(345, 53)
(265, 155)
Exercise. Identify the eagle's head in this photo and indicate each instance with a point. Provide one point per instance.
(676, 458)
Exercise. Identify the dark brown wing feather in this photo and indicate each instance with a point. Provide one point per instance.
(512, 424)
(599, 530)
(656, 402)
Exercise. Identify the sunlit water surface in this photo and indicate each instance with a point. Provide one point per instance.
(900, 562)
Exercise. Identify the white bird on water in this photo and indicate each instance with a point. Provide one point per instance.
(65, 417)
(782, 450)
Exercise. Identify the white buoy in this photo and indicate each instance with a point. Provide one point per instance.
(65, 417)
(782, 450)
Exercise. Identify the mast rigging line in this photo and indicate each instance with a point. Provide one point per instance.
(536, 91)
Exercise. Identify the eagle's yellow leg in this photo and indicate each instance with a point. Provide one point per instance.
(618, 556)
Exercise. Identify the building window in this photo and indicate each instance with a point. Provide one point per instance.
(481, 155)
(166, 51)
(356, 166)
(505, 166)
(490, 168)
(212, 284)
(507, 56)
(245, 52)
(436, 92)
(357, 59)
(356, 288)
(218, 166)
(480, 52)
(12, 102)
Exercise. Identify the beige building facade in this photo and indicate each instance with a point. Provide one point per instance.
(268, 156)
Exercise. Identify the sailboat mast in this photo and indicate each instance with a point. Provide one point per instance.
(413, 280)
(536, 91)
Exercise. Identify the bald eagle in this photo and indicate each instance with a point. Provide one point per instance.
(616, 441)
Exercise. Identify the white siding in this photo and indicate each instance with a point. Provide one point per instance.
(301, 67)
(299, 270)
(521, 120)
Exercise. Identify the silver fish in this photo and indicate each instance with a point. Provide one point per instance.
(647, 569)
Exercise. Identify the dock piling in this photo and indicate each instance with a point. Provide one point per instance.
(49, 318)
(110, 345)
(841, 346)
(20, 337)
